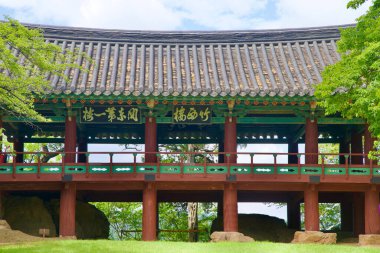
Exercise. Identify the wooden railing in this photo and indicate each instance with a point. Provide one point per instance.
(178, 163)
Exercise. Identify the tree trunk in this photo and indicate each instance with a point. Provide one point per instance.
(192, 208)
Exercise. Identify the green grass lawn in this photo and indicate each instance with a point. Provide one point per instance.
(104, 246)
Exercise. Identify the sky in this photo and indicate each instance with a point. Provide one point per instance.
(182, 14)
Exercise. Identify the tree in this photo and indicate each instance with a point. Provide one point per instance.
(351, 87)
(27, 62)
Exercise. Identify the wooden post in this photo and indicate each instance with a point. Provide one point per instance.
(70, 139)
(68, 191)
(311, 141)
(67, 210)
(346, 216)
(368, 144)
(294, 214)
(311, 208)
(150, 139)
(149, 222)
(230, 208)
(82, 147)
(292, 148)
(344, 147)
(358, 205)
(230, 139)
(18, 146)
(356, 148)
(371, 211)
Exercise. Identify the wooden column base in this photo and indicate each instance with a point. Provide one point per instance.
(149, 222)
(230, 208)
(311, 209)
(371, 210)
(67, 210)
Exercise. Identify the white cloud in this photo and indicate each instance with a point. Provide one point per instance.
(182, 14)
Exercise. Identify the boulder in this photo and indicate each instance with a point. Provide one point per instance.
(90, 222)
(314, 237)
(372, 239)
(261, 227)
(230, 237)
(28, 215)
(4, 225)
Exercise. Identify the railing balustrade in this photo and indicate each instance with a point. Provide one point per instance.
(255, 163)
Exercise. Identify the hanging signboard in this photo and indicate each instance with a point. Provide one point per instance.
(111, 114)
(191, 114)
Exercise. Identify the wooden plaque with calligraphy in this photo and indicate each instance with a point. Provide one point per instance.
(192, 114)
(116, 114)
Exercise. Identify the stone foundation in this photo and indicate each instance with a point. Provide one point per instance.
(314, 237)
(369, 240)
(230, 237)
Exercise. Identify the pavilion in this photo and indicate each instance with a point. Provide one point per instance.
(219, 87)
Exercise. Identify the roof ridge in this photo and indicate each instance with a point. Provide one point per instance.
(220, 36)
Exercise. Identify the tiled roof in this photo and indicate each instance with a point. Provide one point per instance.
(223, 63)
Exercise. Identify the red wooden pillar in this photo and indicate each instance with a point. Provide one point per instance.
(230, 208)
(311, 208)
(358, 206)
(149, 222)
(368, 143)
(371, 211)
(70, 139)
(294, 214)
(311, 141)
(356, 148)
(68, 191)
(18, 146)
(67, 210)
(292, 148)
(230, 139)
(150, 139)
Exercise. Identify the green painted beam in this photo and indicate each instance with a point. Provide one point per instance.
(271, 120)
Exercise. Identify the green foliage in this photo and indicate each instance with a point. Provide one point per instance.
(327, 148)
(122, 216)
(351, 87)
(27, 62)
(172, 216)
(329, 216)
